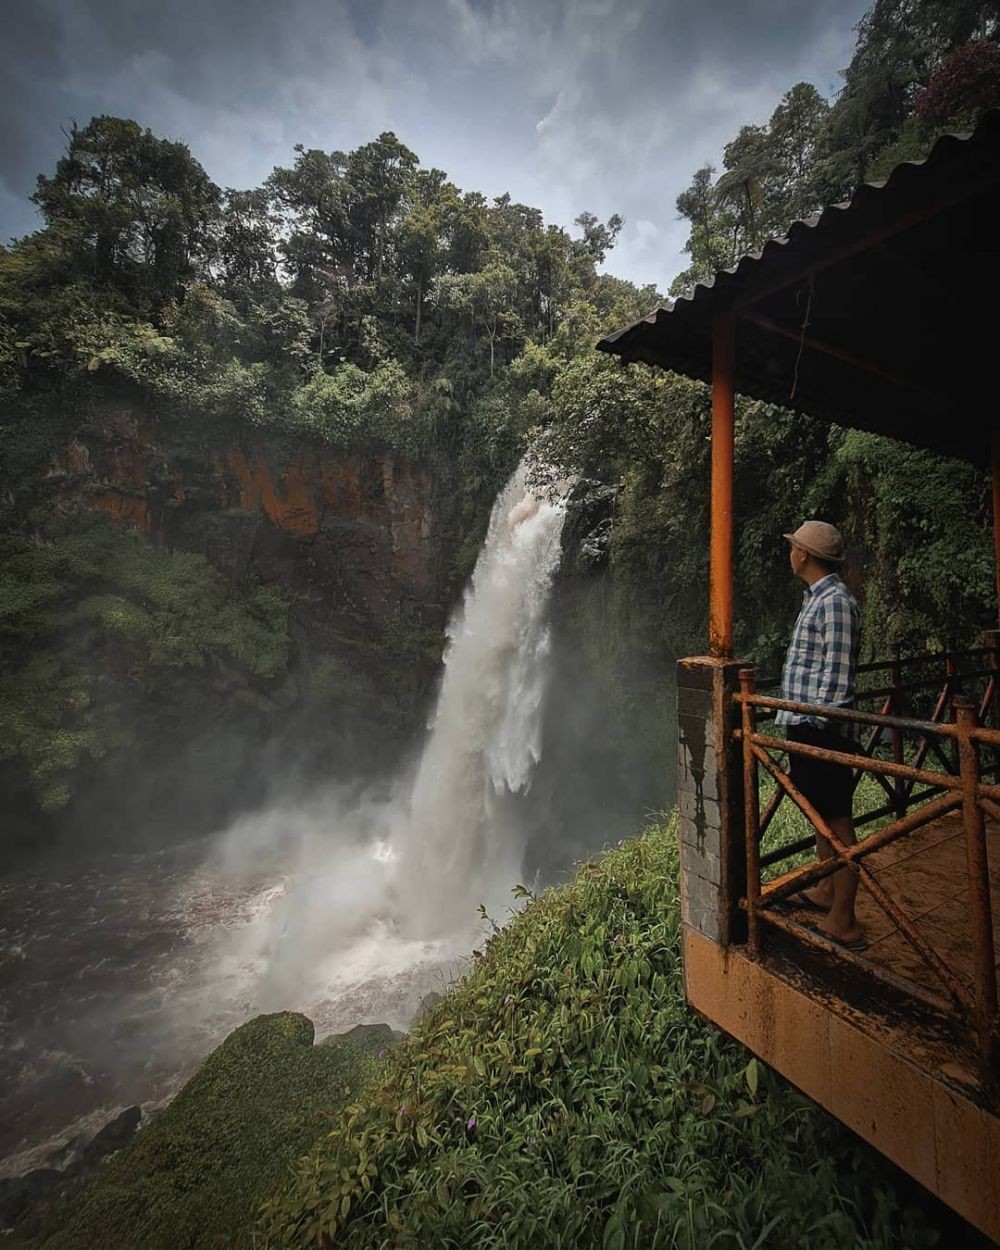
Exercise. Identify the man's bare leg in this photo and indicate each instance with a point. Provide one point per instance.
(840, 921)
(822, 892)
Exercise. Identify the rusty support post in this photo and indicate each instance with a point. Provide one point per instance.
(979, 889)
(751, 813)
(995, 464)
(720, 605)
(899, 789)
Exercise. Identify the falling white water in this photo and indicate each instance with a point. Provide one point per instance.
(382, 896)
(460, 842)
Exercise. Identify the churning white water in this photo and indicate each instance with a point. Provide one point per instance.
(381, 898)
(460, 841)
(346, 909)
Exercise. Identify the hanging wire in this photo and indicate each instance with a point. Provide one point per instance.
(802, 339)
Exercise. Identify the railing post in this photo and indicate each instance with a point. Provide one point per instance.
(898, 785)
(979, 889)
(991, 642)
(751, 812)
(950, 676)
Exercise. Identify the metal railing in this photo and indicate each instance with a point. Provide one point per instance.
(916, 795)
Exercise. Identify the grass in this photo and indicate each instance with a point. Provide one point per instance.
(196, 1175)
(563, 1095)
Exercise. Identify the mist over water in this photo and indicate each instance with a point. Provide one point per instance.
(346, 907)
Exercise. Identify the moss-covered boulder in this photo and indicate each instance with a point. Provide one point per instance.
(195, 1177)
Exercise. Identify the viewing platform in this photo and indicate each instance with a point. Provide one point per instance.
(867, 315)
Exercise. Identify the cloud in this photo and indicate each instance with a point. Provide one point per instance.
(604, 105)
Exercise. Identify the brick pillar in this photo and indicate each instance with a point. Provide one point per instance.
(710, 799)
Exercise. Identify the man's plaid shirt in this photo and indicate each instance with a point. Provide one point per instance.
(819, 666)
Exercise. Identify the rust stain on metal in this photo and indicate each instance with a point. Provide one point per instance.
(720, 614)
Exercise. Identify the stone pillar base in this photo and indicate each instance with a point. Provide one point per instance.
(710, 799)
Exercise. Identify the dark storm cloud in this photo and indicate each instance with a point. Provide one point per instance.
(606, 105)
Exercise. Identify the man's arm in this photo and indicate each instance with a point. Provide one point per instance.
(836, 628)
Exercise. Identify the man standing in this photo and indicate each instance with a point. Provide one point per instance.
(819, 669)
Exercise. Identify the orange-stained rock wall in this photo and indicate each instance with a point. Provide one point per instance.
(371, 516)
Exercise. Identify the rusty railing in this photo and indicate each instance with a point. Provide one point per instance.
(916, 795)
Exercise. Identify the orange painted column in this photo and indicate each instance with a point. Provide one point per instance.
(995, 461)
(720, 592)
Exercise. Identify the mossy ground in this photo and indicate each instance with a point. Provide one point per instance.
(564, 1095)
(195, 1176)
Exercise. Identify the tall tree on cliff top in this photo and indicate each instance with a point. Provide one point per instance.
(423, 233)
(137, 212)
(767, 180)
(380, 179)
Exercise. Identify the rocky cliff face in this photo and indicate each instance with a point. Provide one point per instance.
(357, 547)
(359, 528)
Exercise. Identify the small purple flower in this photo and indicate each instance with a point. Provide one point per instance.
(380, 1054)
(620, 842)
(470, 1124)
(617, 937)
(509, 998)
(402, 1109)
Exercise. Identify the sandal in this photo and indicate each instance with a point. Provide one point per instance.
(858, 944)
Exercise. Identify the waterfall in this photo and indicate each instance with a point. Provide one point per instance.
(461, 844)
(379, 897)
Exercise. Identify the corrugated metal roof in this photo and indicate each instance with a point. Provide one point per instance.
(893, 278)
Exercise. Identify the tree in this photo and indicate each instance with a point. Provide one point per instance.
(487, 299)
(422, 235)
(749, 165)
(598, 239)
(378, 176)
(137, 211)
(312, 202)
(246, 242)
(967, 82)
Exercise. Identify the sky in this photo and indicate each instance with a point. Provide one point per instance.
(569, 105)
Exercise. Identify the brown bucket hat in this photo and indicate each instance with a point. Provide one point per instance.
(820, 539)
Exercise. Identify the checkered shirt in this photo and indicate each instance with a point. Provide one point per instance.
(823, 653)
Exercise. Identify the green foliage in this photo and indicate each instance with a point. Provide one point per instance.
(354, 410)
(921, 525)
(563, 1094)
(195, 1176)
(110, 643)
(134, 211)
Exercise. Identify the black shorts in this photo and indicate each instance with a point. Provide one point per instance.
(828, 787)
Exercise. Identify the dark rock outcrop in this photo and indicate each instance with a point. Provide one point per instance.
(115, 1134)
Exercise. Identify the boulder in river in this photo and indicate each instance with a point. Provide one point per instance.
(115, 1134)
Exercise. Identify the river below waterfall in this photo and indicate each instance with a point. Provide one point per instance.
(118, 976)
(118, 973)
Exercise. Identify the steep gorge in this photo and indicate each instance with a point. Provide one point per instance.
(357, 550)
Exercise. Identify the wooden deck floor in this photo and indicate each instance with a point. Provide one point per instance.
(926, 874)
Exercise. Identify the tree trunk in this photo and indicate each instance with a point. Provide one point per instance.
(420, 300)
